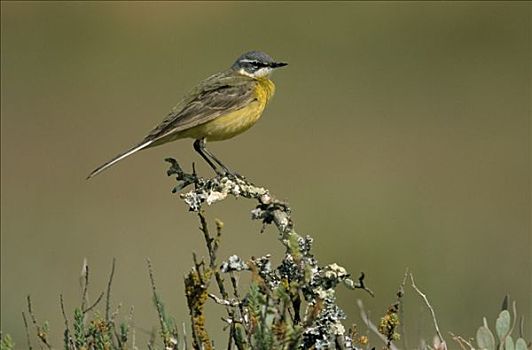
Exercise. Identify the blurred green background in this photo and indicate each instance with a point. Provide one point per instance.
(400, 135)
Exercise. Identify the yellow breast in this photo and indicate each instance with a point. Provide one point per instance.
(234, 123)
(264, 90)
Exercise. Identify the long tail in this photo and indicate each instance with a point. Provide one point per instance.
(119, 158)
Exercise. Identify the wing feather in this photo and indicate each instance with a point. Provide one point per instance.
(217, 95)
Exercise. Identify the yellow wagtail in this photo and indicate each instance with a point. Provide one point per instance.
(220, 107)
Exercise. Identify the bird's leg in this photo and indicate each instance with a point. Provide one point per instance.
(213, 157)
(226, 169)
(199, 146)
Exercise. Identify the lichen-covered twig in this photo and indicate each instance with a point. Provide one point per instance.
(361, 284)
(212, 248)
(274, 322)
(196, 292)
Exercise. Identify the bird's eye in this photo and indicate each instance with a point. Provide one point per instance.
(260, 64)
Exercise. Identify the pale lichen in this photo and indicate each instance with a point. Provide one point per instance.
(271, 311)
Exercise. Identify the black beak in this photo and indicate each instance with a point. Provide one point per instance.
(278, 64)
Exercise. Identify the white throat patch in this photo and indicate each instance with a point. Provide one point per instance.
(262, 72)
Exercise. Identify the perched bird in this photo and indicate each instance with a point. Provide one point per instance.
(220, 107)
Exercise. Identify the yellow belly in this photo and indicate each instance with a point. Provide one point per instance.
(231, 124)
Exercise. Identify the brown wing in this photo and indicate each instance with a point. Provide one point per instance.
(217, 95)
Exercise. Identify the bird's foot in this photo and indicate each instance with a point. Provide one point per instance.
(233, 175)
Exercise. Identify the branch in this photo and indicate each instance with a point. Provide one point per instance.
(424, 297)
(94, 304)
(108, 294)
(360, 284)
(41, 331)
(299, 278)
(84, 281)
(69, 342)
(28, 339)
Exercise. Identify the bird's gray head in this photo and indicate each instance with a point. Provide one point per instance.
(256, 64)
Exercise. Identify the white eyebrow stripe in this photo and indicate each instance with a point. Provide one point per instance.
(249, 61)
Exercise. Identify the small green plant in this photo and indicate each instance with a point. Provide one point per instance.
(6, 343)
(504, 326)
